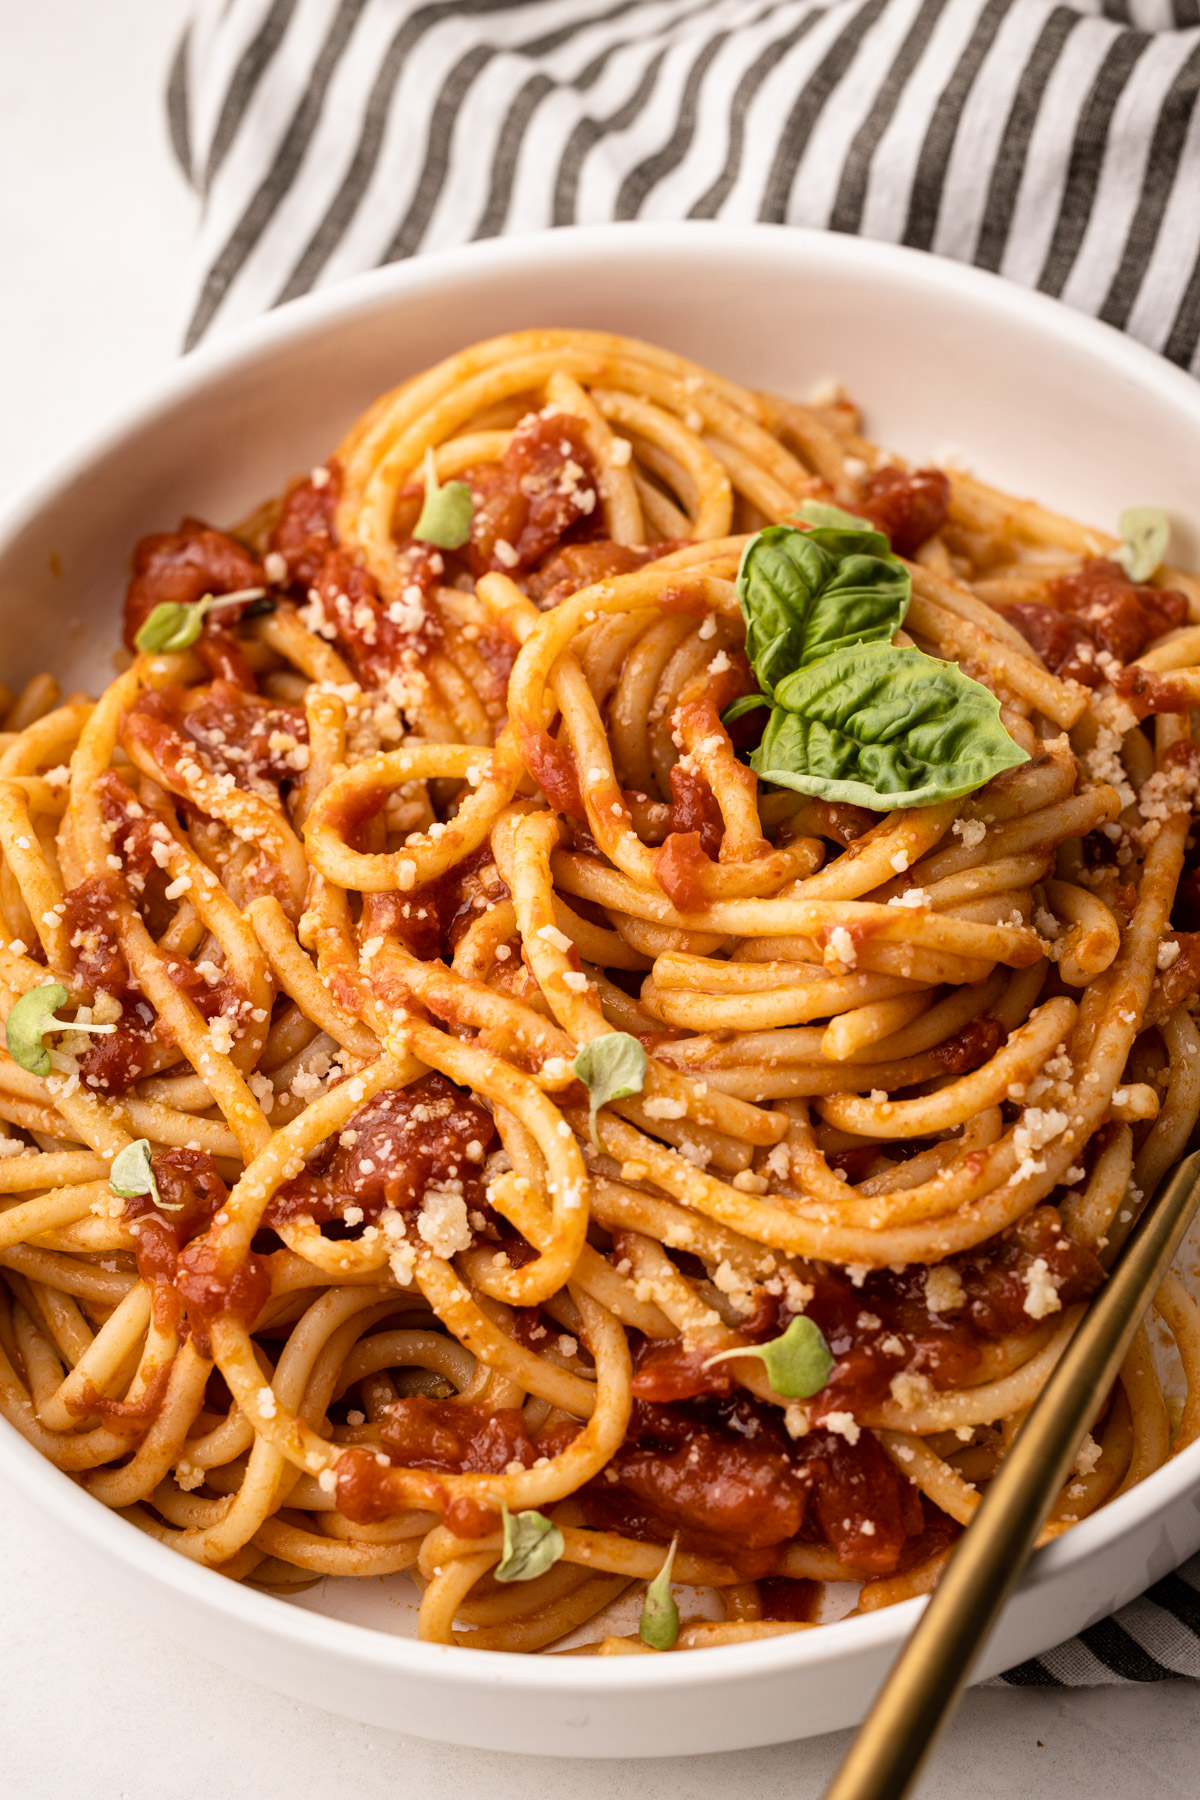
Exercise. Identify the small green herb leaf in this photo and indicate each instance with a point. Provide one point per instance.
(132, 1174)
(446, 513)
(1145, 534)
(797, 1364)
(174, 626)
(660, 1615)
(805, 594)
(532, 1544)
(31, 1018)
(883, 727)
(611, 1067)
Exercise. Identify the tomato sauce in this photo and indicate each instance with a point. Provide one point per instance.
(260, 746)
(1064, 643)
(785, 1599)
(884, 1327)
(344, 603)
(191, 1191)
(543, 490)
(129, 1417)
(970, 1048)
(910, 506)
(1145, 692)
(1176, 985)
(91, 917)
(421, 1433)
(213, 1286)
(995, 1276)
(304, 533)
(365, 1496)
(1097, 616)
(578, 566)
(553, 768)
(724, 1475)
(694, 808)
(114, 1061)
(681, 866)
(402, 1142)
(181, 567)
(431, 921)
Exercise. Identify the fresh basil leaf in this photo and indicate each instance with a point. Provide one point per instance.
(611, 1067)
(31, 1018)
(446, 512)
(1145, 534)
(798, 1364)
(806, 594)
(882, 728)
(174, 626)
(746, 703)
(532, 1544)
(820, 512)
(660, 1616)
(132, 1173)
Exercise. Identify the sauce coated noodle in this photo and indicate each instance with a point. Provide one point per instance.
(355, 875)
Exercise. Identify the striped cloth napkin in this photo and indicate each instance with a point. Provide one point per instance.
(1155, 1638)
(1058, 145)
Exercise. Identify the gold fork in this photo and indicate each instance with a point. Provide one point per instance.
(922, 1689)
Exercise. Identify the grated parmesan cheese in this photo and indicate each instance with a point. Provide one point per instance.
(1041, 1294)
(842, 945)
(443, 1223)
(944, 1290)
(847, 1426)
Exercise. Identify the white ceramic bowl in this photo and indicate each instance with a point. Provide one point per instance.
(1038, 400)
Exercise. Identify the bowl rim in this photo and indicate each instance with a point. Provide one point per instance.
(122, 1543)
(635, 242)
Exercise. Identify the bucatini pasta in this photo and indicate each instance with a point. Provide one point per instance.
(590, 1007)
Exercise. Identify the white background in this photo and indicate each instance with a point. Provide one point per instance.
(96, 225)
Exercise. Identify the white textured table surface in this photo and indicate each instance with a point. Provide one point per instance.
(95, 225)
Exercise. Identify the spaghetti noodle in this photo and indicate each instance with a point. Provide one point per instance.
(461, 1120)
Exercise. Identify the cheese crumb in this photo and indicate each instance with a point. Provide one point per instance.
(971, 831)
(443, 1223)
(845, 1425)
(796, 1420)
(944, 1291)
(910, 1391)
(1089, 1455)
(661, 1106)
(914, 897)
(842, 945)
(550, 934)
(1041, 1296)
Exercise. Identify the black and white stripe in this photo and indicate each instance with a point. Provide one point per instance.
(1155, 1638)
(1057, 144)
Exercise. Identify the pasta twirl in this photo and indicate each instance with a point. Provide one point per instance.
(462, 1118)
